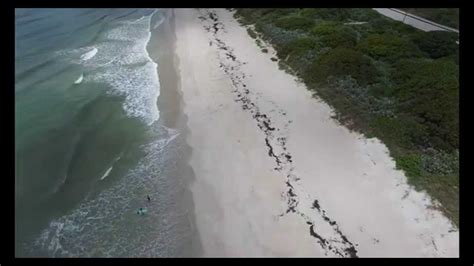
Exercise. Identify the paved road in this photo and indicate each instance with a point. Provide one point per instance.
(412, 20)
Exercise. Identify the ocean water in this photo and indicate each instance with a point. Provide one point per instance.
(90, 145)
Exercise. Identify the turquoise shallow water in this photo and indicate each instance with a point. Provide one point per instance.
(89, 142)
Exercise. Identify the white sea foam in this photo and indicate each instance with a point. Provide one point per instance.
(79, 80)
(158, 22)
(101, 226)
(125, 65)
(161, 144)
(138, 83)
(89, 54)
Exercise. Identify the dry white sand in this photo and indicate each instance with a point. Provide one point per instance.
(275, 174)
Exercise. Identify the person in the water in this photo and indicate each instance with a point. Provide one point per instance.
(148, 197)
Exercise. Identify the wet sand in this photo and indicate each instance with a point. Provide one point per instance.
(162, 50)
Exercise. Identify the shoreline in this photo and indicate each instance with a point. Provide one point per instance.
(170, 104)
(267, 181)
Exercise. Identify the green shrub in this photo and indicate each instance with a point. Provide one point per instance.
(454, 57)
(437, 43)
(402, 29)
(448, 17)
(342, 61)
(278, 36)
(403, 70)
(363, 14)
(310, 13)
(381, 25)
(325, 27)
(402, 131)
(360, 95)
(441, 162)
(411, 164)
(343, 37)
(252, 15)
(333, 34)
(298, 46)
(388, 46)
(246, 15)
(336, 14)
(272, 14)
(429, 90)
(396, 132)
(444, 188)
(295, 23)
(361, 30)
(251, 33)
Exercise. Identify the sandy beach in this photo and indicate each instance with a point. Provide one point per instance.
(274, 174)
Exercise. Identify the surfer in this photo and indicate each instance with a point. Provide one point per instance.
(141, 211)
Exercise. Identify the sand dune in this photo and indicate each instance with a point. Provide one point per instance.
(275, 174)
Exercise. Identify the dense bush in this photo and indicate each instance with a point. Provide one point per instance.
(253, 15)
(437, 43)
(342, 37)
(403, 70)
(381, 25)
(341, 62)
(333, 34)
(440, 162)
(411, 163)
(340, 14)
(278, 36)
(245, 15)
(298, 46)
(388, 46)
(335, 14)
(251, 33)
(361, 95)
(272, 14)
(429, 90)
(400, 131)
(295, 23)
(325, 27)
(454, 57)
(362, 14)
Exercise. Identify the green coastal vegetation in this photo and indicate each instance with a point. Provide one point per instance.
(384, 79)
(444, 16)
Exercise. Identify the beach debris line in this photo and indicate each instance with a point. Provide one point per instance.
(231, 66)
